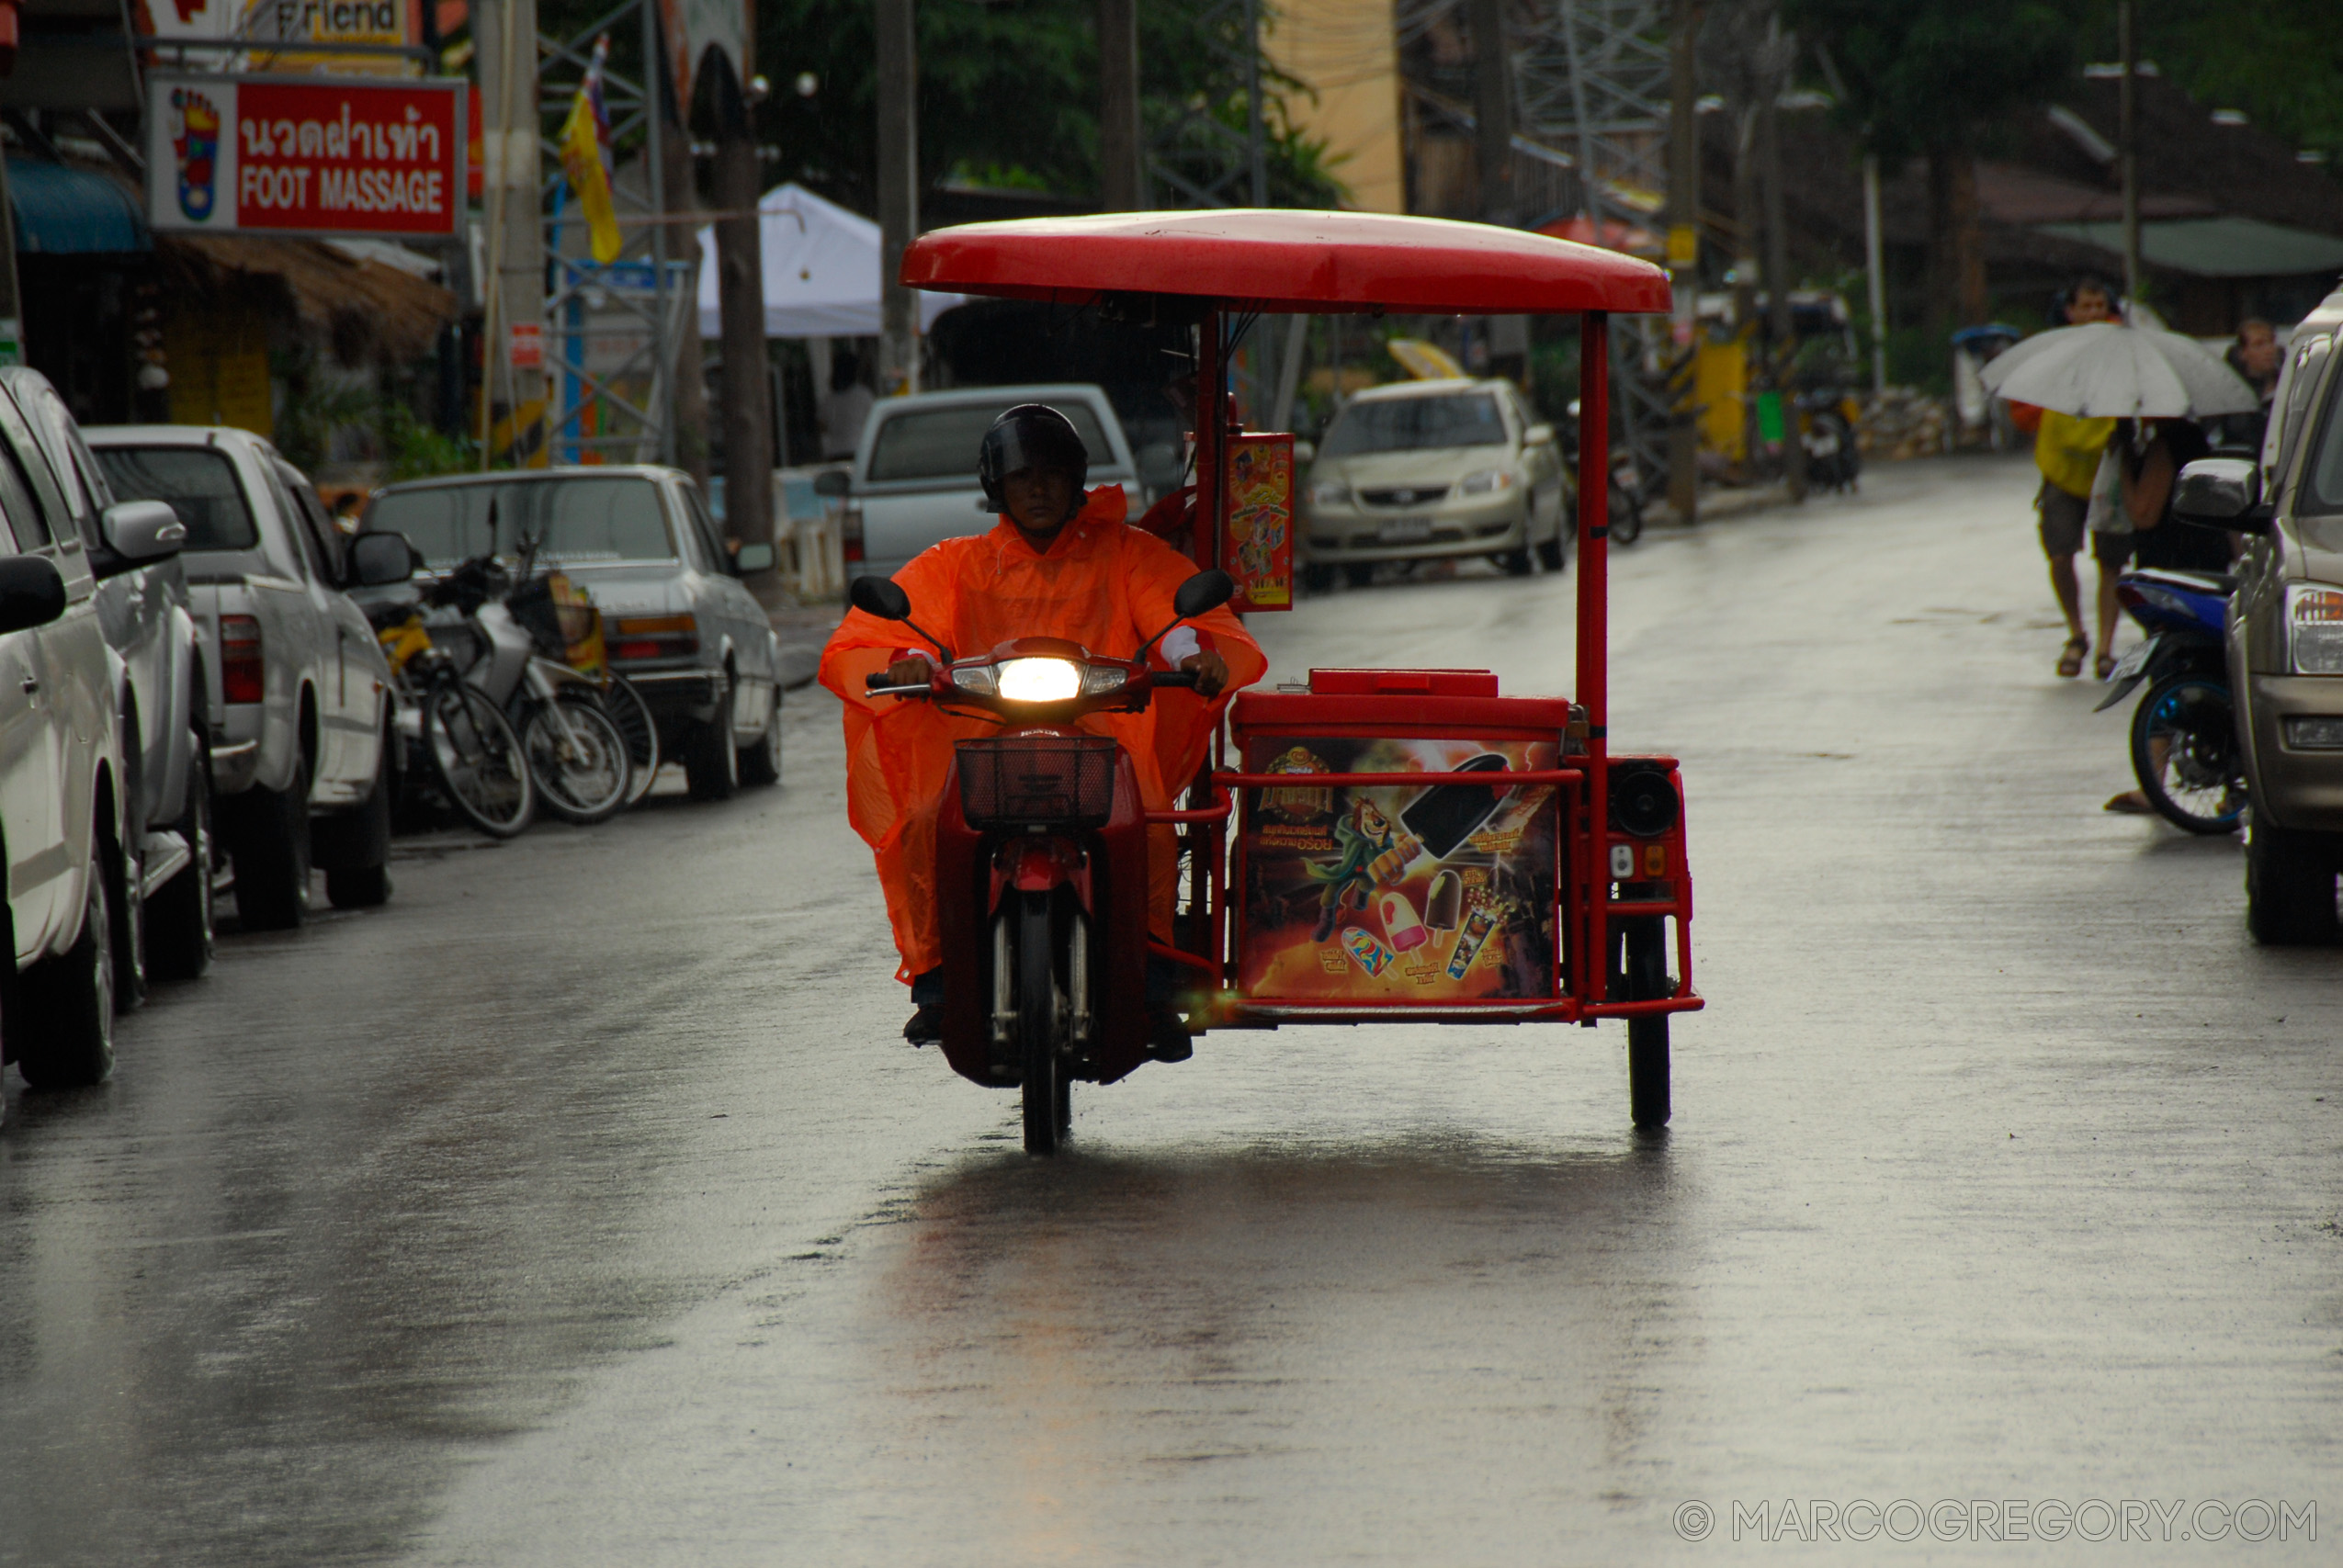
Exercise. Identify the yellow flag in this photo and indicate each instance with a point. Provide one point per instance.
(582, 136)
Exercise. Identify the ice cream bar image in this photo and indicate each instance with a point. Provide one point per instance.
(1372, 955)
(1442, 905)
(1476, 931)
(1399, 923)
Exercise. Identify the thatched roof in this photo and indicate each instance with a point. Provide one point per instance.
(361, 309)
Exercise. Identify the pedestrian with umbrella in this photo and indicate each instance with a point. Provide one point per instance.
(2155, 382)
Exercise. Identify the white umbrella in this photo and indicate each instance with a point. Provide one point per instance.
(2101, 370)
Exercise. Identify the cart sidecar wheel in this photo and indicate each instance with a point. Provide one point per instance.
(1648, 1037)
(1049, 1101)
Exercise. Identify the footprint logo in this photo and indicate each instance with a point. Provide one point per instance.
(197, 146)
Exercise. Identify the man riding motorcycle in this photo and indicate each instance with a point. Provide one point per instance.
(1062, 563)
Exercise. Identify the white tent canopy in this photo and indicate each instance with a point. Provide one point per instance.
(821, 271)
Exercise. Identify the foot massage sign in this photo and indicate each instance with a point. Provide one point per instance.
(1443, 892)
(230, 155)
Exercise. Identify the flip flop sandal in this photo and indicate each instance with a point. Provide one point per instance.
(2129, 804)
(2104, 665)
(2070, 662)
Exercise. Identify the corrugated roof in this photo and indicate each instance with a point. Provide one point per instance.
(2216, 247)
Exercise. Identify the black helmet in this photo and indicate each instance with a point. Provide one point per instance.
(1031, 436)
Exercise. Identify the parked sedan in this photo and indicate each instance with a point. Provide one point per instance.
(300, 693)
(677, 620)
(1428, 470)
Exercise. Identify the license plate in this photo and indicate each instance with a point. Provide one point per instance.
(1407, 530)
(2133, 661)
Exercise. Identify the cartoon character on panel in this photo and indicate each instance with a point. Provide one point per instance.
(1372, 851)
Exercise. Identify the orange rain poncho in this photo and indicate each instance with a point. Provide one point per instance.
(1101, 584)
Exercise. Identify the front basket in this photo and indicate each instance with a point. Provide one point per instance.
(1060, 781)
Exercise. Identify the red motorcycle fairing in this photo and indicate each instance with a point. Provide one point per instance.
(1105, 873)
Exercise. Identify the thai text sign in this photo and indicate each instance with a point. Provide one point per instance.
(251, 154)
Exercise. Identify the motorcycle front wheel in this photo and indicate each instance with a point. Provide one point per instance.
(1048, 1098)
(478, 760)
(2184, 752)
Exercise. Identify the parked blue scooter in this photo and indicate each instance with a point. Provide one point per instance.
(2184, 733)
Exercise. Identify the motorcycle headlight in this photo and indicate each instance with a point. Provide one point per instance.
(1100, 679)
(974, 678)
(1329, 493)
(1039, 679)
(1485, 482)
(2315, 628)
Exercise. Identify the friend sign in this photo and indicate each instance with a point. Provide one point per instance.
(312, 155)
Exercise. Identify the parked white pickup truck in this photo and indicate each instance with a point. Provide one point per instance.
(913, 481)
(299, 691)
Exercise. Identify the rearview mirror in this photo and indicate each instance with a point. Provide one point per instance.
(753, 559)
(2222, 493)
(879, 596)
(1305, 452)
(833, 482)
(378, 560)
(32, 593)
(1204, 590)
(1538, 435)
(135, 533)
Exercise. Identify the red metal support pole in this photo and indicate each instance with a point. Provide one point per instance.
(1590, 972)
(1211, 438)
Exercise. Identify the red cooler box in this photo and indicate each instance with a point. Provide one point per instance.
(1383, 895)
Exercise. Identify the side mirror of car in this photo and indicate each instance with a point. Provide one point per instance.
(1205, 591)
(32, 593)
(1305, 452)
(135, 533)
(378, 559)
(833, 483)
(1538, 435)
(752, 559)
(879, 596)
(2222, 493)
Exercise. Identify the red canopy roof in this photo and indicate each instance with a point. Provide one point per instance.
(1286, 261)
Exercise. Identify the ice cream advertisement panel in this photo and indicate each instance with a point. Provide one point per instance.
(1441, 892)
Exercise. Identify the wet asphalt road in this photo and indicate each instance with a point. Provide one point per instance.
(581, 1208)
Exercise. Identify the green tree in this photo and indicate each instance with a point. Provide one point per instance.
(1008, 95)
(1931, 79)
(2279, 61)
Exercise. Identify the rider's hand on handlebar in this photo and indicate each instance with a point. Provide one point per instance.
(912, 672)
(1211, 672)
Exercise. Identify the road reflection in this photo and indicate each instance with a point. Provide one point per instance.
(1427, 1327)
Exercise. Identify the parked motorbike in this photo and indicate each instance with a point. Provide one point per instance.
(2184, 732)
(1827, 418)
(1042, 859)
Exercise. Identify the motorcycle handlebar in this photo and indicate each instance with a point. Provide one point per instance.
(1174, 678)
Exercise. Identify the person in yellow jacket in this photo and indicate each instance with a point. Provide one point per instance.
(2067, 450)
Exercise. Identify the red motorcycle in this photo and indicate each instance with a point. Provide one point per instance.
(1042, 860)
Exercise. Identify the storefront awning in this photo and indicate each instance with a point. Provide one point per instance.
(2216, 247)
(64, 212)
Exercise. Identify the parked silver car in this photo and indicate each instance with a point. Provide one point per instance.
(913, 481)
(142, 608)
(1428, 470)
(677, 620)
(65, 837)
(300, 693)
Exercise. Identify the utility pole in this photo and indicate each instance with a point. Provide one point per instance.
(678, 187)
(12, 322)
(1121, 167)
(1493, 112)
(898, 194)
(2127, 146)
(1684, 254)
(514, 343)
(1876, 266)
(1777, 258)
(1256, 143)
(740, 298)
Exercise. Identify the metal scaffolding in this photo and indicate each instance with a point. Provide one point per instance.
(613, 331)
(1197, 158)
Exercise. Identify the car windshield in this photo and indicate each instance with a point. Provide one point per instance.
(2322, 488)
(1414, 424)
(199, 484)
(575, 521)
(938, 444)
